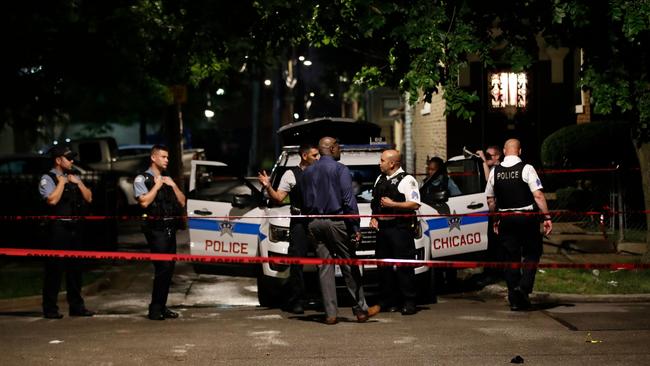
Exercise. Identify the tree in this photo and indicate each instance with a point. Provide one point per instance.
(419, 47)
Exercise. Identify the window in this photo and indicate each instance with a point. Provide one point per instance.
(388, 105)
(508, 89)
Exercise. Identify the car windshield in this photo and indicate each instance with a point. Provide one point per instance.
(218, 184)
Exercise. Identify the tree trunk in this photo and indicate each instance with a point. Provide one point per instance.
(643, 153)
(174, 141)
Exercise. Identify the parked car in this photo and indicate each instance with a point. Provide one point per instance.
(20, 175)
(103, 154)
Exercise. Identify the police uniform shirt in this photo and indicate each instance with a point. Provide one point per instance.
(529, 176)
(47, 184)
(408, 186)
(139, 187)
(287, 182)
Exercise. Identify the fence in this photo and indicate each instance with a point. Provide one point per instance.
(608, 201)
(19, 196)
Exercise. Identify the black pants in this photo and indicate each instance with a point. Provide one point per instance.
(298, 244)
(65, 235)
(161, 240)
(396, 241)
(520, 238)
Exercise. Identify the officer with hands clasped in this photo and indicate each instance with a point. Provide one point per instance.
(67, 199)
(395, 192)
(162, 201)
(514, 189)
(298, 238)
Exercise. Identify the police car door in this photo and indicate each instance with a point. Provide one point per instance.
(215, 195)
(465, 229)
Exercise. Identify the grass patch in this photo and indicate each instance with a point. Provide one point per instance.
(584, 281)
(19, 278)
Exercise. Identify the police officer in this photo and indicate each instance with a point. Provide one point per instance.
(67, 199)
(437, 180)
(395, 192)
(298, 240)
(514, 189)
(162, 201)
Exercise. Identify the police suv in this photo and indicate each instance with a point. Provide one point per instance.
(257, 227)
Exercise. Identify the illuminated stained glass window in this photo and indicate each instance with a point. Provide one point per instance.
(508, 89)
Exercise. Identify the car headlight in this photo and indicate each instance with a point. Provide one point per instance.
(278, 233)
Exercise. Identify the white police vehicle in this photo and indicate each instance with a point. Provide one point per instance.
(256, 227)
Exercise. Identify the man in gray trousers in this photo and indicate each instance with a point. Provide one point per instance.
(327, 190)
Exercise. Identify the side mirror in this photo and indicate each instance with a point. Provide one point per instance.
(242, 200)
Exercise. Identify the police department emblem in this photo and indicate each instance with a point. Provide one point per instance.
(454, 222)
(393, 181)
(225, 227)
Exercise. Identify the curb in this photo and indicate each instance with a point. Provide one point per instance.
(498, 291)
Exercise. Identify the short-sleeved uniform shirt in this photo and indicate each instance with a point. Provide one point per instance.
(529, 176)
(408, 186)
(139, 188)
(287, 181)
(47, 185)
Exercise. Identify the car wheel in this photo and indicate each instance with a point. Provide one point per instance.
(269, 291)
(426, 286)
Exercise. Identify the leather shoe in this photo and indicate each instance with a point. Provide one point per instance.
(374, 310)
(409, 309)
(168, 314)
(156, 316)
(331, 320)
(362, 317)
(82, 312)
(53, 315)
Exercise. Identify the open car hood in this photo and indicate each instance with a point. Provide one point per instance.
(347, 130)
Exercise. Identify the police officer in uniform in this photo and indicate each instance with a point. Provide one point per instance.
(298, 240)
(395, 192)
(162, 201)
(67, 199)
(515, 190)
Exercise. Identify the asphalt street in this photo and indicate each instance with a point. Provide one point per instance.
(222, 324)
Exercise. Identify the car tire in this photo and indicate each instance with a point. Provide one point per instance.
(269, 291)
(426, 286)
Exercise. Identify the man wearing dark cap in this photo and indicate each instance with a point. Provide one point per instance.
(67, 199)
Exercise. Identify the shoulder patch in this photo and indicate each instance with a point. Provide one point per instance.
(139, 179)
(415, 195)
(43, 182)
(538, 182)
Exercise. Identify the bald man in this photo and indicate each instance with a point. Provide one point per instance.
(327, 190)
(514, 190)
(395, 192)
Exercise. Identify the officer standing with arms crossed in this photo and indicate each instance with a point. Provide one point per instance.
(513, 188)
(327, 190)
(162, 201)
(66, 196)
(395, 192)
(298, 240)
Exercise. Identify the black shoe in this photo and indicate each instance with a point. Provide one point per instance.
(155, 316)
(82, 312)
(409, 309)
(296, 308)
(52, 315)
(168, 314)
(519, 300)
